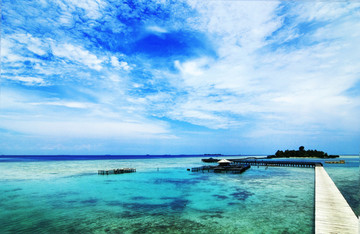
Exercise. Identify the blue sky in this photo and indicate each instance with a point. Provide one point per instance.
(173, 77)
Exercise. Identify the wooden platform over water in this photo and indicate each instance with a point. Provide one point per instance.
(332, 213)
(116, 171)
(235, 169)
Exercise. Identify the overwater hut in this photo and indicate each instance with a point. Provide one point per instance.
(224, 166)
(224, 162)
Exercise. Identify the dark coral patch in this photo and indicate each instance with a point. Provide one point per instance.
(136, 198)
(178, 204)
(222, 197)
(241, 194)
(114, 203)
(89, 201)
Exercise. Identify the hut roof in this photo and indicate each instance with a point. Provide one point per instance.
(224, 161)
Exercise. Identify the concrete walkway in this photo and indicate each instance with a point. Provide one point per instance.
(332, 212)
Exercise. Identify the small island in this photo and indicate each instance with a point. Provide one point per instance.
(301, 153)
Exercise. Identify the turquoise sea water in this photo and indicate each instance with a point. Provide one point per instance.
(161, 197)
(347, 178)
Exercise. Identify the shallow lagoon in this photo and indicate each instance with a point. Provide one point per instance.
(69, 196)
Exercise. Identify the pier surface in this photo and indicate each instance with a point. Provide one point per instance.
(276, 163)
(332, 213)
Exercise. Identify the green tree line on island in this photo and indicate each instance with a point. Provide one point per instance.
(301, 153)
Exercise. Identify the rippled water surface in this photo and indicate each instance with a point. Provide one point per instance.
(162, 196)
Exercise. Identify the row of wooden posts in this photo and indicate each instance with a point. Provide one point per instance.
(116, 171)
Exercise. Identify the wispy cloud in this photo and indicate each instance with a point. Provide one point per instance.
(78, 54)
(90, 129)
(80, 105)
(31, 81)
(156, 29)
(163, 70)
(289, 82)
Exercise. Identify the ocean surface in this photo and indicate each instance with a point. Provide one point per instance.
(66, 195)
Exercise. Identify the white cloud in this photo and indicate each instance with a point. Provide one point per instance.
(66, 19)
(285, 87)
(35, 45)
(201, 117)
(92, 8)
(119, 64)
(69, 104)
(14, 46)
(48, 117)
(325, 11)
(192, 67)
(269, 76)
(27, 80)
(78, 54)
(156, 29)
(88, 128)
(7, 54)
(241, 23)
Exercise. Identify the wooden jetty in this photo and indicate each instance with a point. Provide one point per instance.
(235, 169)
(332, 213)
(336, 162)
(255, 162)
(116, 171)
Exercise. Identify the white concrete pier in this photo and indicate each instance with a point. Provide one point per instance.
(332, 212)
